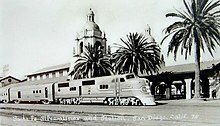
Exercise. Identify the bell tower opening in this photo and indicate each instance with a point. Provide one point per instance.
(98, 45)
(81, 47)
(90, 16)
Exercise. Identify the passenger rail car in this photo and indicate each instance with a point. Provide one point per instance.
(111, 90)
(32, 93)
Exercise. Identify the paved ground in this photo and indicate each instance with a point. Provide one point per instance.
(173, 112)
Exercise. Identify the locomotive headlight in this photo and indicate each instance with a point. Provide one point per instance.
(144, 89)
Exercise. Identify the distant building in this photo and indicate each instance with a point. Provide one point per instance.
(58, 72)
(5, 81)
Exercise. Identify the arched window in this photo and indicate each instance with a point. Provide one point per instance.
(81, 47)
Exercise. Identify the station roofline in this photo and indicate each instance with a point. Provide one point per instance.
(189, 67)
(50, 69)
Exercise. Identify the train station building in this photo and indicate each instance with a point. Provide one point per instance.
(177, 82)
(172, 82)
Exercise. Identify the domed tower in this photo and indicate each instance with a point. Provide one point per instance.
(148, 34)
(151, 39)
(89, 35)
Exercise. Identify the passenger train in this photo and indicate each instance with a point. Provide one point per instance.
(123, 89)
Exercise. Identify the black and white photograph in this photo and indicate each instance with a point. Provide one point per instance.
(109, 62)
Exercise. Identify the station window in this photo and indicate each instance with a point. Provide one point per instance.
(59, 90)
(47, 75)
(81, 47)
(39, 91)
(33, 91)
(61, 73)
(72, 88)
(103, 86)
(36, 91)
(53, 74)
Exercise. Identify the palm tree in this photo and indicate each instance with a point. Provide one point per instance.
(92, 63)
(137, 56)
(198, 27)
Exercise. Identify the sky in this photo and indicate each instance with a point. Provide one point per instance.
(40, 33)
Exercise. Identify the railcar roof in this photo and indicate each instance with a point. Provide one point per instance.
(119, 75)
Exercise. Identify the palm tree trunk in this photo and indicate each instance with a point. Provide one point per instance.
(197, 70)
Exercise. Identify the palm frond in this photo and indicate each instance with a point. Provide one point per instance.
(134, 55)
(92, 63)
(201, 24)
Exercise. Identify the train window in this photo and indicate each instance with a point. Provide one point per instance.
(103, 86)
(63, 85)
(89, 82)
(33, 91)
(115, 80)
(46, 92)
(19, 94)
(72, 88)
(39, 91)
(130, 76)
(122, 80)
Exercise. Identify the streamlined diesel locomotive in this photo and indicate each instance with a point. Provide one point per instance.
(123, 89)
